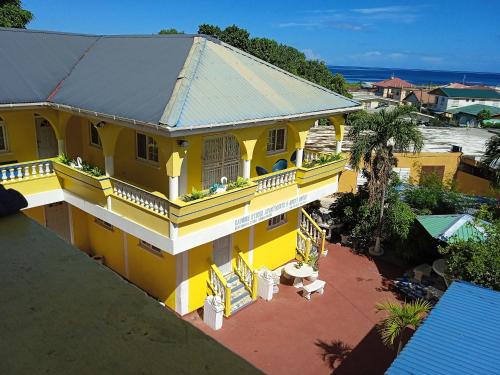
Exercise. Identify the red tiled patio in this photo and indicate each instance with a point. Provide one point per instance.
(334, 332)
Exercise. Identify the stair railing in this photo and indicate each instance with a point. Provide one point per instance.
(246, 275)
(219, 288)
(312, 230)
(303, 246)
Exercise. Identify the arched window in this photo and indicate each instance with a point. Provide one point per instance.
(3, 136)
(146, 148)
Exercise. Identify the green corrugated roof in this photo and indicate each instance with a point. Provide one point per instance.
(474, 109)
(466, 93)
(450, 228)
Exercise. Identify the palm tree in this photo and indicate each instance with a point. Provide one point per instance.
(376, 136)
(491, 159)
(409, 314)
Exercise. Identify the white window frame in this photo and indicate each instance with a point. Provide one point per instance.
(276, 221)
(151, 248)
(104, 224)
(99, 143)
(274, 150)
(3, 131)
(148, 145)
(403, 174)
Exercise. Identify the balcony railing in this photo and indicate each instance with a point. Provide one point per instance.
(311, 229)
(275, 180)
(246, 275)
(140, 197)
(218, 287)
(20, 171)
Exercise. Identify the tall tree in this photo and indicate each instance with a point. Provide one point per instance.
(170, 31)
(13, 15)
(491, 159)
(399, 318)
(281, 55)
(375, 137)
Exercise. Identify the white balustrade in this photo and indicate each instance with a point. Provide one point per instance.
(140, 197)
(310, 156)
(24, 171)
(275, 180)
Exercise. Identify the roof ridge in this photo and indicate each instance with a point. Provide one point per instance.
(237, 50)
(33, 31)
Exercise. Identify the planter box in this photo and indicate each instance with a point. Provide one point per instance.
(90, 188)
(308, 175)
(180, 211)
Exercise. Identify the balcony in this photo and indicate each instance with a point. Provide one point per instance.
(261, 198)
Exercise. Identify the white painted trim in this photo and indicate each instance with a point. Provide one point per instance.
(183, 189)
(182, 282)
(46, 197)
(299, 157)
(246, 168)
(173, 188)
(109, 166)
(251, 244)
(61, 149)
(71, 227)
(125, 253)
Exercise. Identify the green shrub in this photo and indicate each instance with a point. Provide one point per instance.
(239, 183)
(323, 159)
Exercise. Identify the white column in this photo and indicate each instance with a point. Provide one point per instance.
(339, 147)
(60, 147)
(246, 168)
(183, 189)
(299, 156)
(173, 187)
(182, 283)
(109, 165)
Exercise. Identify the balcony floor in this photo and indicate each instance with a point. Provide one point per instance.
(334, 332)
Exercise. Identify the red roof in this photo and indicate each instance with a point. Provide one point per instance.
(393, 82)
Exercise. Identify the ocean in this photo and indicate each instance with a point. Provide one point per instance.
(416, 76)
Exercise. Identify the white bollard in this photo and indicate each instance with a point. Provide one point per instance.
(265, 285)
(213, 312)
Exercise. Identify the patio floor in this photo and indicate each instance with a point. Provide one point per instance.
(333, 333)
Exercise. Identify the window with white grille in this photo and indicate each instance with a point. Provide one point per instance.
(149, 247)
(3, 137)
(403, 174)
(276, 140)
(146, 148)
(276, 221)
(221, 158)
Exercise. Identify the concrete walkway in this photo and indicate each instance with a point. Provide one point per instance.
(333, 332)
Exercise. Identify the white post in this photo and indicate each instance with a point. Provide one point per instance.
(298, 157)
(173, 187)
(246, 168)
(339, 147)
(182, 281)
(60, 146)
(109, 165)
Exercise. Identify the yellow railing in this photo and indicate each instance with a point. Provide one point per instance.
(218, 286)
(303, 246)
(246, 275)
(312, 230)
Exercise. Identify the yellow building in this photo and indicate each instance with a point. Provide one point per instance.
(185, 168)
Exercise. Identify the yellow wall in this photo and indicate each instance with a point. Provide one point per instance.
(78, 142)
(21, 136)
(81, 229)
(450, 161)
(470, 184)
(152, 272)
(36, 213)
(200, 259)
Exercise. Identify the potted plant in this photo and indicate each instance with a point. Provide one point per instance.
(314, 263)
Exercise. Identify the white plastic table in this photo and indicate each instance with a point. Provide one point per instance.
(439, 267)
(298, 273)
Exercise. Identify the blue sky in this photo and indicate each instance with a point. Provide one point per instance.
(444, 34)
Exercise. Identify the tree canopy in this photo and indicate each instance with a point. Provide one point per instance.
(13, 15)
(491, 159)
(281, 55)
(170, 31)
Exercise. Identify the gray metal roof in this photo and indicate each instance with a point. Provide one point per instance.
(181, 81)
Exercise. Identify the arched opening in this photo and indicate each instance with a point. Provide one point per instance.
(45, 138)
(82, 140)
(3, 136)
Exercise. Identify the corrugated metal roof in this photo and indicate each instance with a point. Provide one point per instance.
(474, 109)
(156, 79)
(466, 93)
(33, 63)
(461, 335)
(450, 228)
(227, 85)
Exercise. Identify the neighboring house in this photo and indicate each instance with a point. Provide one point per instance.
(394, 88)
(451, 228)
(369, 101)
(461, 335)
(420, 98)
(474, 178)
(164, 116)
(468, 115)
(449, 98)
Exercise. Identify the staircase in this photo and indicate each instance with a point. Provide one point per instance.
(240, 297)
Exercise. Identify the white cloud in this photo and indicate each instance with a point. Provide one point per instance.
(311, 55)
(389, 9)
(372, 54)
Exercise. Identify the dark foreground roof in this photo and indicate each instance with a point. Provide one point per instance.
(62, 313)
(179, 81)
(461, 335)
